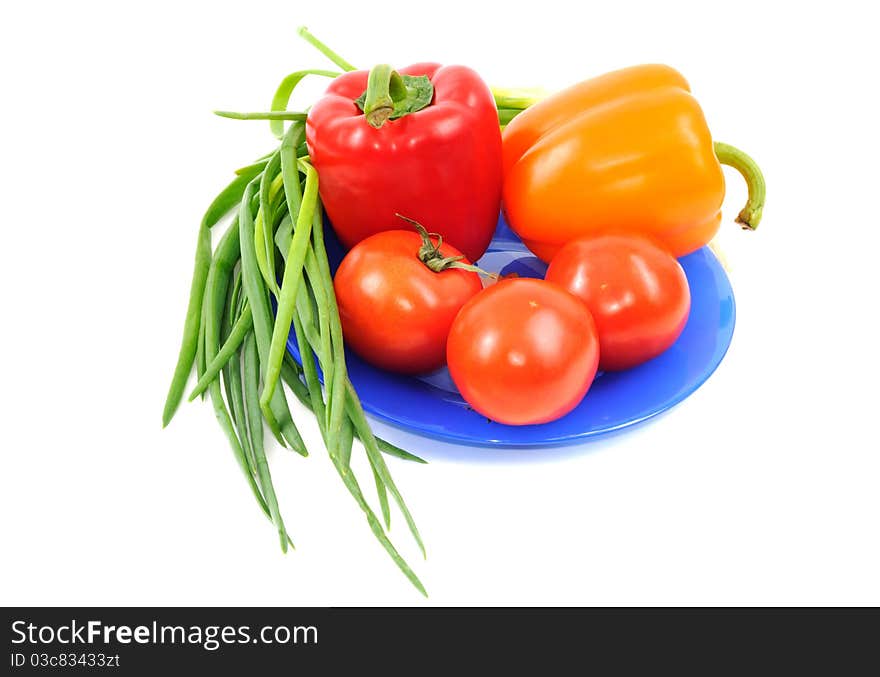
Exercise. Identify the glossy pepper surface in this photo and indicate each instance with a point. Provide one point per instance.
(439, 164)
(629, 151)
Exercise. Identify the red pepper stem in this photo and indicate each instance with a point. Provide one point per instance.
(432, 257)
(384, 87)
(750, 215)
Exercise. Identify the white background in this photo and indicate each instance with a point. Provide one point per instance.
(762, 488)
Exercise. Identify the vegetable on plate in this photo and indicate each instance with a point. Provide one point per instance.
(637, 294)
(628, 151)
(624, 158)
(398, 293)
(523, 351)
(423, 141)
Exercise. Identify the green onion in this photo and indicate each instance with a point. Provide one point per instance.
(239, 347)
(233, 341)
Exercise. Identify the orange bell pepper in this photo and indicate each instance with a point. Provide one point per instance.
(628, 151)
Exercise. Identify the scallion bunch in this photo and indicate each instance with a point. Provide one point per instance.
(238, 345)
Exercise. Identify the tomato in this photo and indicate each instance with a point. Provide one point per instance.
(395, 311)
(523, 351)
(638, 295)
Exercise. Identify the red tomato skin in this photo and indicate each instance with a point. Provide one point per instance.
(523, 352)
(637, 293)
(395, 312)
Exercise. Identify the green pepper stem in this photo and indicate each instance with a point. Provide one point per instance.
(384, 87)
(324, 49)
(750, 215)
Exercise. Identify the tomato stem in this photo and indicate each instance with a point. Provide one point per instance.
(384, 87)
(750, 215)
(432, 257)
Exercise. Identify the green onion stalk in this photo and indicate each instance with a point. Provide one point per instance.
(273, 254)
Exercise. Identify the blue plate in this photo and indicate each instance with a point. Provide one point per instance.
(431, 405)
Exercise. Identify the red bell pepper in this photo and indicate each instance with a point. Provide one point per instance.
(426, 147)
